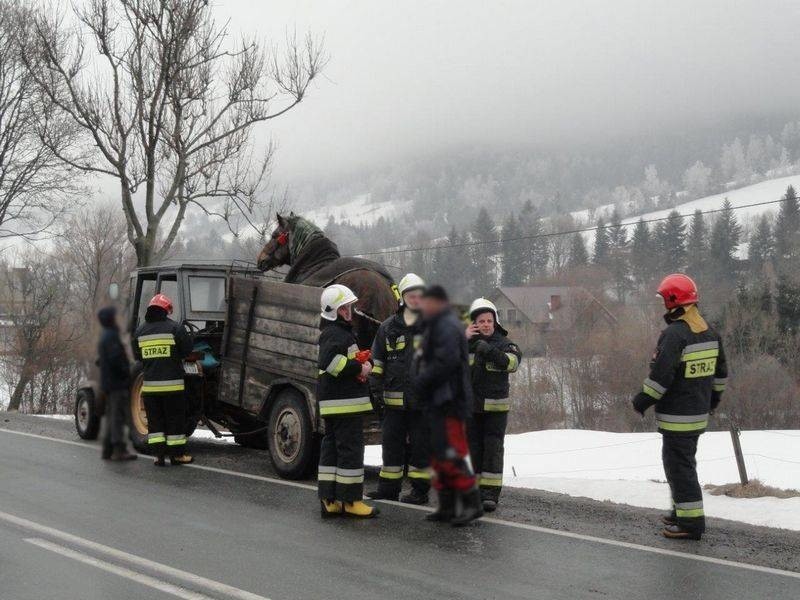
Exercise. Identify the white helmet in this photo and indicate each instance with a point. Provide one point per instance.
(480, 305)
(410, 281)
(334, 297)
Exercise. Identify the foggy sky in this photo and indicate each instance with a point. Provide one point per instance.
(407, 76)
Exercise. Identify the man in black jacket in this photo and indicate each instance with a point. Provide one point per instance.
(688, 373)
(492, 358)
(115, 382)
(403, 420)
(442, 386)
(162, 344)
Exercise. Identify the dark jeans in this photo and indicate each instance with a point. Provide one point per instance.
(680, 466)
(114, 422)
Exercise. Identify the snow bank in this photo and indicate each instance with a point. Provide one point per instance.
(626, 468)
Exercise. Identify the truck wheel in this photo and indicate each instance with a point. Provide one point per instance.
(137, 417)
(290, 435)
(87, 421)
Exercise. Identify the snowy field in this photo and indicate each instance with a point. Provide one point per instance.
(625, 468)
(358, 211)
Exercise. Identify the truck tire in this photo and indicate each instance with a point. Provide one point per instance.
(137, 418)
(292, 442)
(87, 421)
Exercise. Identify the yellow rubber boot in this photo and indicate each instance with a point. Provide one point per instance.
(330, 508)
(359, 509)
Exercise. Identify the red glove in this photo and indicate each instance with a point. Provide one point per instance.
(363, 356)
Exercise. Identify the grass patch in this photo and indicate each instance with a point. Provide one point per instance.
(754, 489)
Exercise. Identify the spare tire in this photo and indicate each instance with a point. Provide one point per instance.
(291, 437)
(87, 419)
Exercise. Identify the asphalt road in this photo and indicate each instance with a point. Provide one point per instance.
(73, 526)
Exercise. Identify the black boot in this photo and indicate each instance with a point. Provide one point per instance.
(676, 532)
(471, 508)
(414, 497)
(380, 494)
(446, 509)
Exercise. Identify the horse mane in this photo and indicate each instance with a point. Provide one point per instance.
(303, 232)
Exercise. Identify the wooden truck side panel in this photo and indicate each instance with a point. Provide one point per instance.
(270, 340)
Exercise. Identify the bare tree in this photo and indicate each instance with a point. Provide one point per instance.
(35, 186)
(168, 107)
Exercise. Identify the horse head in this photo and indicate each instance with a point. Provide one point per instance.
(276, 251)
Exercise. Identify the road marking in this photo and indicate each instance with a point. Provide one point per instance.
(524, 526)
(141, 578)
(133, 559)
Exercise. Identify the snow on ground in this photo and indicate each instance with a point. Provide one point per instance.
(626, 468)
(359, 210)
(772, 189)
(56, 417)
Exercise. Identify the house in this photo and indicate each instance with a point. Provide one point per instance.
(535, 315)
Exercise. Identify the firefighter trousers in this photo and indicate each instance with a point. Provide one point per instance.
(486, 432)
(450, 453)
(405, 440)
(680, 466)
(166, 422)
(341, 460)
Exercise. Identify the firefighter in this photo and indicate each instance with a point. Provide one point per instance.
(392, 354)
(492, 358)
(687, 377)
(161, 344)
(442, 386)
(343, 396)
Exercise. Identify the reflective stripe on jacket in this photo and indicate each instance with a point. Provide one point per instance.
(392, 356)
(489, 371)
(339, 393)
(161, 346)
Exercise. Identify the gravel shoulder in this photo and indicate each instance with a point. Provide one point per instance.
(728, 540)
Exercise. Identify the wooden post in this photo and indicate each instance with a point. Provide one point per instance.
(737, 450)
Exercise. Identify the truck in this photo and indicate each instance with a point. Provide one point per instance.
(253, 368)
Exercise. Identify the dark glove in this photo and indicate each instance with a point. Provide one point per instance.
(641, 402)
(716, 398)
(482, 347)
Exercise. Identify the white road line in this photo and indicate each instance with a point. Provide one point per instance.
(157, 584)
(132, 559)
(524, 526)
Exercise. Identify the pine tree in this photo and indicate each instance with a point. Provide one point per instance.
(697, 245)
(642, 254)
(513, 253)
(578, 255)
(618, 256)
(761, 245)
(534, 248)
(483, 272)
(787, 227)
(601, 243)
(670, 243)
(450, 264)
(787, 305)
(724, 242)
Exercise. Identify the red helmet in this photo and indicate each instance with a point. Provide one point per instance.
(678, 290)
(161, 301)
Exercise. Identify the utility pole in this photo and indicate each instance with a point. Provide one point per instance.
(737, 450)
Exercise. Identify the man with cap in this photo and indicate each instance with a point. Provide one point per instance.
(403, 421)
(492, 357)
(442, 386)
(343, 398)
(162, 344)
(688, 373)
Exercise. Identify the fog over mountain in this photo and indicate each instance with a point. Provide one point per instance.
(412, 77)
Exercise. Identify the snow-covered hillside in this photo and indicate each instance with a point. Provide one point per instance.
(740, 199)
(358, 211)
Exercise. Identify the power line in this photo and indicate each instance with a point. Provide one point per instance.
(560, 233)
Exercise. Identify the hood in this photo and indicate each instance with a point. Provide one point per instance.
(107, 317)
(689, 315)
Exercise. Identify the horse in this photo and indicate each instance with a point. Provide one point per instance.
(315, 260)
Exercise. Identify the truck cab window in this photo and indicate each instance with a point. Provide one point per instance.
(206, 294)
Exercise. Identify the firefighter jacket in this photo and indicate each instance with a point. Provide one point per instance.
(688, 373)
(392, 355)
(491, 360)
(442, 366)
(162, 345)
(339, 392)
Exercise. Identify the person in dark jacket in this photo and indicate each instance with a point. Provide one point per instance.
(442, 386)
(403, 421)
(343, 398)
(688, 373)
(162, 344)
(492, 358)
(115, 382)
